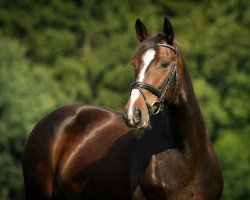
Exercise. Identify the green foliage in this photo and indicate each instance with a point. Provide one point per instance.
(26, 95)
(213, 113)
(230, 148)
(61, 52)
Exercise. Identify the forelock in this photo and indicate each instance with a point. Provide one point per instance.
(150, 43)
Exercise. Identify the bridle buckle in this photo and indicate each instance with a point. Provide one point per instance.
(156, 107)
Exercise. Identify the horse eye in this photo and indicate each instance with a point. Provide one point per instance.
(164, 63)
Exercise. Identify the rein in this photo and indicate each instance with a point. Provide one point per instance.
(160, 93)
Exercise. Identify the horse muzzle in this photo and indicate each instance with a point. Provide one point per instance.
(135, 119)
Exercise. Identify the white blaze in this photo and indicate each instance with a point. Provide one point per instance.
(147, 57)
(134, 95)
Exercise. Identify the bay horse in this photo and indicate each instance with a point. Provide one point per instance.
(94, 153)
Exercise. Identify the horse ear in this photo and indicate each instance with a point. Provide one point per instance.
(167, 29)
(141, 31)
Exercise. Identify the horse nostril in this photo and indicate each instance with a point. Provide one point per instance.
(134, 120)
(137, 116)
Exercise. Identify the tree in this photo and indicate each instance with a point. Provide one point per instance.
(26, 95)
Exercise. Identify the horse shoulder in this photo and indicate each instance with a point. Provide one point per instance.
(169, 171)
(166, 172)
(207, 182)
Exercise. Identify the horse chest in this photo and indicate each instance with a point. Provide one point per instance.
(168, 177)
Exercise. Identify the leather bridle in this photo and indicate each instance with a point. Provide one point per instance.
(160, 93)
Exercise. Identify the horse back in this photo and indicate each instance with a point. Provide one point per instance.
(64, 143)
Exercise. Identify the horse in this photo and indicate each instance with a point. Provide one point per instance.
(157, 149)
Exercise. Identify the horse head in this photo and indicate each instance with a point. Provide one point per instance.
(157, 75)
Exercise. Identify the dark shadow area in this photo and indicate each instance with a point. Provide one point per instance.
(117, 175)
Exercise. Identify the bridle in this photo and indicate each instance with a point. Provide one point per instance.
(160, 93)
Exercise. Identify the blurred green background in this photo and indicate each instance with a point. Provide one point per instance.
(59, 52)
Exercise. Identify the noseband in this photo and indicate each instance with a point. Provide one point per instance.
(160, 93)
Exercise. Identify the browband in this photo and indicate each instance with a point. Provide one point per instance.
(169, 46)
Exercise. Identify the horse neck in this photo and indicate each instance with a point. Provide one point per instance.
(187, 120)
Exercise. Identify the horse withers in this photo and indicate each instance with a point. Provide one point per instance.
(92, 153)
